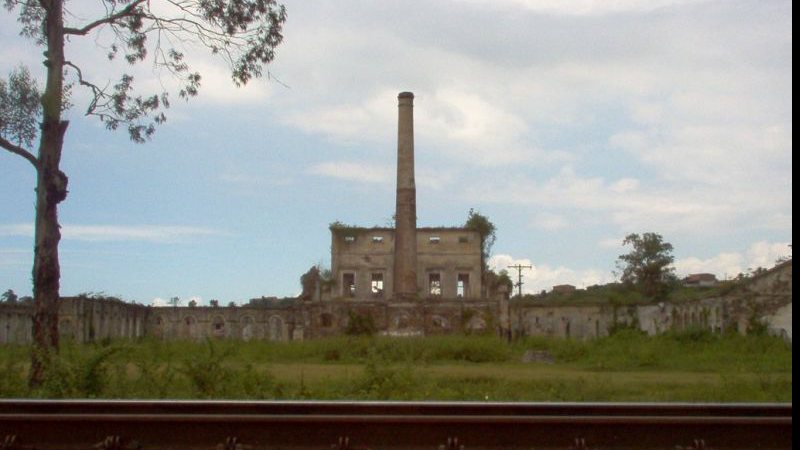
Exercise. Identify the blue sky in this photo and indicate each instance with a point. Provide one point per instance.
(568, 123)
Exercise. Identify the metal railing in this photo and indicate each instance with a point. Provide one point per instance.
(244, 425)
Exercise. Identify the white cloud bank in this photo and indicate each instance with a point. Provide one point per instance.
(184, 301)
(729, 264)
(725, 265)
(544, 276)
(148, 233)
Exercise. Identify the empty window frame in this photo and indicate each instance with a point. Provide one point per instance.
(349, 238)
(349, 284)
(434, 239)
(463, 239)
(462, 285)
(435, 284)
(377, 239)
(377, 284)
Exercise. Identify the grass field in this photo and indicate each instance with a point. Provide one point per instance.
(692, 366)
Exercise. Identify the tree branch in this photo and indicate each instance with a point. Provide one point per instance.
(16, 149)
(105, 20)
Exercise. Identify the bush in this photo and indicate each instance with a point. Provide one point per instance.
(77, 372)
(206, 371)
(360, 325)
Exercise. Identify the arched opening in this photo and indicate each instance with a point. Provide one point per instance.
(248, 328)
(218, 329)
(275, 328)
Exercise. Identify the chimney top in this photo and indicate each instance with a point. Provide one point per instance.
(406, 95)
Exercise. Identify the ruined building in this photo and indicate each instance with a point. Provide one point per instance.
(409, 281)
(406, 262)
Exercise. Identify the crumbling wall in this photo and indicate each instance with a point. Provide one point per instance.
(765, 299)
(233, 322)
(16, 322)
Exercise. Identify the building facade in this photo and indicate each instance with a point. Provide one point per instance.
(448, 264)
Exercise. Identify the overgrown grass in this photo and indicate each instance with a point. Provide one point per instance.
(691, 350)
(627, 366)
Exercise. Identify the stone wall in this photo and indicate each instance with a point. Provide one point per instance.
(80, 318)
(764, 299)
(15, 323)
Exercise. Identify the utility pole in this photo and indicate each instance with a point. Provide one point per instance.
(519, 268)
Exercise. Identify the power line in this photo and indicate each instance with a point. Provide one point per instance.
(519, 268)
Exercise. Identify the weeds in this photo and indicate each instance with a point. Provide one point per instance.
(692, 365)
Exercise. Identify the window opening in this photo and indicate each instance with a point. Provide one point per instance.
(377, 239)
(435, 284)
(462, 285)
(434, 239)
(349, 284)
(377, 284)
(463, 239)
(349, 238)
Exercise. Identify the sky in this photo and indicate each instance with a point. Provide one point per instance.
(569, 124)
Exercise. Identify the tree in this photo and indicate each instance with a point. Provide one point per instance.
(244, 33)
(485, 228)
(9, 296)
(648, 265)
(487, 231)
(309, 282)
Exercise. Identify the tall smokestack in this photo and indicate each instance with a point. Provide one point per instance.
(405, 240)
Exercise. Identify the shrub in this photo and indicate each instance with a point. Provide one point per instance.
(360, 325)
(206, 371)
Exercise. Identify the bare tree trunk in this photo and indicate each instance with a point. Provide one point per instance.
(51, 189)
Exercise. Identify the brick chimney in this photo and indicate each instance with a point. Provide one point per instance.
(405, 240)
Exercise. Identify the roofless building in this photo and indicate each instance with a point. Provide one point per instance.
(405, 262)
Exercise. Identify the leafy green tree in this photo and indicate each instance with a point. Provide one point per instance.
(480, 223)
(648, 266)
(487, 231)
(9, 296)
(244, 33)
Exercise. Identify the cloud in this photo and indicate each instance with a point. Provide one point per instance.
(724, 265)
(544, 277)
(352, 171)
(12, 257)
(184, 301)
(550, 221)
(729, 264)
(99, 233)
(582, 7)
(159, 302)
(686, 110)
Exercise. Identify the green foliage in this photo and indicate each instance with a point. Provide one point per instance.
(338, 225)
(206, 370)
(77, 372)
(691, 365)
(20, 107)
(382, 381)
(13, 379)
(309, 282)
(245, 33)
(485, 228)
(9, 296)
(494, 280)
(360, 325)
(648, 265)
